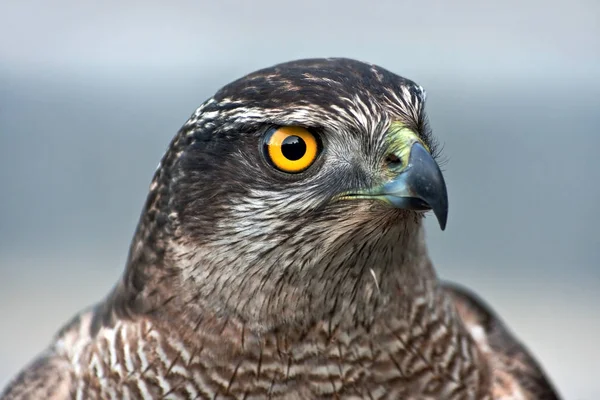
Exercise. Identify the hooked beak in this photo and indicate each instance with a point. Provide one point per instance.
(420, 186)
(414, 182)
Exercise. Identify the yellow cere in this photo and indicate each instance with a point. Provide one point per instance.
(292, 148)
(400, 140)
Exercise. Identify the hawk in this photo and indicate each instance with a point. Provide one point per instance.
(281, 254)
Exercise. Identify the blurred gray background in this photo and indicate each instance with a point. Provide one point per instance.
(91, 94)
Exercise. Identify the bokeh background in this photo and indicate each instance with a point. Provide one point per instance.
(92, 92)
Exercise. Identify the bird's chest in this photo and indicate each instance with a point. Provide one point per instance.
(378, 365)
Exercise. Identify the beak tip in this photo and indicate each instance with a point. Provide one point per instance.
(442, 213)
(442, 217)
(442, 225)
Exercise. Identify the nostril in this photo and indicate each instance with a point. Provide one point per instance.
(393, 161)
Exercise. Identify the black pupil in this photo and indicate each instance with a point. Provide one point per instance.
(293, 148)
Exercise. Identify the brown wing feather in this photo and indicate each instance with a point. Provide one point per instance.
(47, 377)
(516, 373)
(51, 375)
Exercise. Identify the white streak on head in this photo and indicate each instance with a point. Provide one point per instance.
(374, 278)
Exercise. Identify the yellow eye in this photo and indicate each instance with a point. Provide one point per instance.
(291, 148)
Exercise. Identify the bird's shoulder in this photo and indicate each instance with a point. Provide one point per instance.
(516, 374)
(47, 377)
(93, 359)
(51, 374)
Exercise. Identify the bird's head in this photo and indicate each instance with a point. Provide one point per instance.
(296, 190)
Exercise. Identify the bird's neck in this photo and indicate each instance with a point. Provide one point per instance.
(357, 282)
(388, 295)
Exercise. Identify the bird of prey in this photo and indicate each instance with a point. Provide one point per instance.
(280, 255)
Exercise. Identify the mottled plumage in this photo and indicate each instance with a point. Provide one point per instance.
(247, 282)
